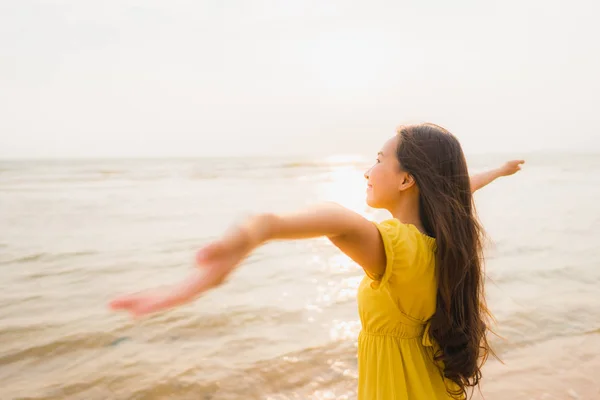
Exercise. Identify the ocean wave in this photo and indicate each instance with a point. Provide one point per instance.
(47, 257)
(289, 376)
(56, 346)
(215, 325)
(592, 332)
(204, 176)
(78, 174)
(292, 376)
(321, 164)
(110, 172)
(510, 250)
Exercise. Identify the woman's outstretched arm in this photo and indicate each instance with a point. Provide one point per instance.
(478, 181)
(353, 234)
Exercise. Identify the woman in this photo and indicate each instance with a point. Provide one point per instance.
(421, 303)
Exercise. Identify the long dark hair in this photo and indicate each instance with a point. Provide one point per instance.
(434, 157)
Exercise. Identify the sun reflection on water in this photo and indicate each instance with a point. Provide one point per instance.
(345, 184)
(344, 330)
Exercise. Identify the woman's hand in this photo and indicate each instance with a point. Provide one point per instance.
(483, 179)
(511, 167)
(214, 262)
(147, 301)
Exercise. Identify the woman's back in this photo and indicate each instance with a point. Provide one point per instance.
(395, 352)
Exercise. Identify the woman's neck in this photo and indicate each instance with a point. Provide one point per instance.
(406, 210)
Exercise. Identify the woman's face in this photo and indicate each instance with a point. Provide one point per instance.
(384, 179)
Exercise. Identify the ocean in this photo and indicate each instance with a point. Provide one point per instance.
(76, 233)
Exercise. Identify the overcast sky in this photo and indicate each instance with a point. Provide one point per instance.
(204, 78)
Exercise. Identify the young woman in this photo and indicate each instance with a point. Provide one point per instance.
(421, 302)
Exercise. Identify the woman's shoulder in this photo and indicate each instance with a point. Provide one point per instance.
(400, 234)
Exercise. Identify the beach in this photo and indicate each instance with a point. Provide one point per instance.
(76, 233)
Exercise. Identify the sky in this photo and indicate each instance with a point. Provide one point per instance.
(125, 78)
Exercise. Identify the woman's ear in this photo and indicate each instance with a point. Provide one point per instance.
(407, 181)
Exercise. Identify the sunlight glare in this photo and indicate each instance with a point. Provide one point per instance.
(346, 185)
(344, 330)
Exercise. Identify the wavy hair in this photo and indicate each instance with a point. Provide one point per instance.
(435, 159)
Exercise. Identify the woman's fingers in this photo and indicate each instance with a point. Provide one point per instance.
(122, 302)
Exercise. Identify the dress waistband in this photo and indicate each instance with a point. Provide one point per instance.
(408, 328)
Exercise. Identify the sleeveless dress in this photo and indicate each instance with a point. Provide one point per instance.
(395, 352)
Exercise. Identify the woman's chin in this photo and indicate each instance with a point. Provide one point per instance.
(370, 202)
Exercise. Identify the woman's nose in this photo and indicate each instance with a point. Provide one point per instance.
(366, 175)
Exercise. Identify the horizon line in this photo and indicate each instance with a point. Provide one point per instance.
(295, 156)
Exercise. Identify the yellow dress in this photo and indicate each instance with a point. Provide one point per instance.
(395, 352)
